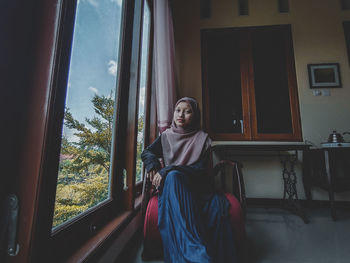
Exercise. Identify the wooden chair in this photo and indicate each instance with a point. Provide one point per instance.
(152, 242)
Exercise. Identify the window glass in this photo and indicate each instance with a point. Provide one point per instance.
(249, 84)
(271, 82)
(142, 89)
(224, 82)
(84, 166)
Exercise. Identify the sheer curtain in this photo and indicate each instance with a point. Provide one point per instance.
(164, 63)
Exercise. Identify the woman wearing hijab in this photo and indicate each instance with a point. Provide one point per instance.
(192, 220)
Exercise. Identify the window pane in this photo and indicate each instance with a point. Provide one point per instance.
(142, 89)
(224, 82)
(83, 179)
(271, 82)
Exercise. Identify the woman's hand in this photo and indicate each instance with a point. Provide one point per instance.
(155, 178)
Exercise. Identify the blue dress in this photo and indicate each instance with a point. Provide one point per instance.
(193, 221)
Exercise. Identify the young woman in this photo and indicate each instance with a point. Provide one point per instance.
(192, 220)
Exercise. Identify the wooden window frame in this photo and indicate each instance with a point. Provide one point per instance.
(346, 28)
(63, 242)
(148, 94)
(248, 92)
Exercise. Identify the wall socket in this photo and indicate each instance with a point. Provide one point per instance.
(316, 92)
(326, 92)
(323, 92)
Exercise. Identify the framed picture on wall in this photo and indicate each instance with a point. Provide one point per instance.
(324, 75)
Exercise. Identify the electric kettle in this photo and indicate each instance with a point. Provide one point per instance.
(335, 137)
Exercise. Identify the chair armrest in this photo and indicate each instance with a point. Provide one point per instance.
(146, 187)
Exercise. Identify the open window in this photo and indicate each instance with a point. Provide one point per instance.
(249, 84)
(95, 123)
(143, 87)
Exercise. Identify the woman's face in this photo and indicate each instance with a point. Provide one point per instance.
(183, 115)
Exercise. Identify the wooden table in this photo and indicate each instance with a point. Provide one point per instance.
(228, 150)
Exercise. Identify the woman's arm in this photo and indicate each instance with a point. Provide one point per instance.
(198, 172)
(150, 156)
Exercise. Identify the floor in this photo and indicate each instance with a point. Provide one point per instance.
(276, 236)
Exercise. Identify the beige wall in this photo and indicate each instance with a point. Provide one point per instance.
(317, 38)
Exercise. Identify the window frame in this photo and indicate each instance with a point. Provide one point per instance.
(62, 242)
(148, 91)
(247, 88)
(346, 29)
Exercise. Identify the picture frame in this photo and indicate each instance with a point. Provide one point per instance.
(326, 75)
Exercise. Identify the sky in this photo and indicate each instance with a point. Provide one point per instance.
(94, 57)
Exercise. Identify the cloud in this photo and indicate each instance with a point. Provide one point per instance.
(112, 67)
(94, 3)
(93, 89)
(142, 94)
(119, 2)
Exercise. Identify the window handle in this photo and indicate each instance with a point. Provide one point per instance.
(10, 219)
(125, 180)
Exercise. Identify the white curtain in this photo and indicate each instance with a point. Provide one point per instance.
(164, 63)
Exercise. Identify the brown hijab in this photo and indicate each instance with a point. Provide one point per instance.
(185, 146)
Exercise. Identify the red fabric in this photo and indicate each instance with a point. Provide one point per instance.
(237, 219)
(151, 232)
(150, 228)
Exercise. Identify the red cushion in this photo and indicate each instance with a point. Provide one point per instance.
(237, 219)
(151, 232)
(150, 228)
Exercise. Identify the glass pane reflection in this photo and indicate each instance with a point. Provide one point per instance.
(83, 177)
(224, 82)
(142, 89)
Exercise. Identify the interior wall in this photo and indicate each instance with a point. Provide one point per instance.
(318, 37)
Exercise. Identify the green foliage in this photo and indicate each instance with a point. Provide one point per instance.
(84, 167)
(75, 194)
(140, 130)
(94, 145)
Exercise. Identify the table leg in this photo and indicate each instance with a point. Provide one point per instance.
(306, 175)
(330, 184)
(290, 195)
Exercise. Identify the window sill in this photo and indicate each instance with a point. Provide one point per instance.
(95, 243)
